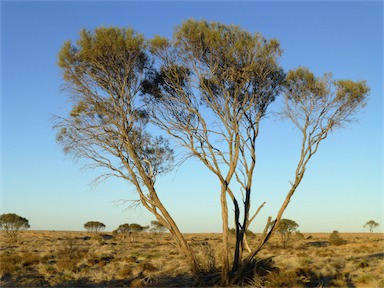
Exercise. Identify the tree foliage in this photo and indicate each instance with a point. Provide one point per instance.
(13, 223)
(157, 227)
(103, 74)
(371, 225)
(94, 226)
(123, 229)
(285, 229)
(213, 87)
(210, 87)
(137, 227)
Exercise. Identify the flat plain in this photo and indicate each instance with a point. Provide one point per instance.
(79, 259)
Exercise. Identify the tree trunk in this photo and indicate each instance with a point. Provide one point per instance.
(240, 273)
(178, 236)
(183, 244)
(239, 239)
(224, 281)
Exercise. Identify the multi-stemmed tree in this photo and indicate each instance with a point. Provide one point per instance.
(316, 106)
(94, 227)
(211, 88)
(214, 86)
(285, 230)
(12, 223)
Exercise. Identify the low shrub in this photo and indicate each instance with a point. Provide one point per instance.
(366, 278)
(69, 255)
(335, 239)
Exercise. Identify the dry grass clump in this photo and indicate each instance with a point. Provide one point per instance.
(9, 264)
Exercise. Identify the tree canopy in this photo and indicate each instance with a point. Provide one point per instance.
(214, 85)
(285, 229)
(157, 226)
(12, 223)
(104, 74)
(208, 87)
(94, 226)
(371, 225)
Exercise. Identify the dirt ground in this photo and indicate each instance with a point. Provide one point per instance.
(79, 259)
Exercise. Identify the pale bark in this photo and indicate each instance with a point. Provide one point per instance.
(316, 109)
(107, 123)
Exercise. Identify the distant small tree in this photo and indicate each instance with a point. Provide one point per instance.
(136, 228)
(94, 226)
(371, 225)
(285, 229)
(123, 230)
(157, 227)
(12, 224)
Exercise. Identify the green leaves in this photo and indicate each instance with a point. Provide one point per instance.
(158, 44)
(12, 223)
(321, 103)
(371, 225)
(111, 58)
(106, 42)
(350, 91)
(94, 226)
(302, 84)
(228, 66)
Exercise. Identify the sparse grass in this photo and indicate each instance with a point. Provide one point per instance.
(9, 264)
(74, 259)
(282, 279)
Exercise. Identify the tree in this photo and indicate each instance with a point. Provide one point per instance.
(123, 229)
(94, 226)
(316, 106)
(371, 225)
(12, 224)
(213, 87)
(136, 228)
(285, 229)
(103, 75)
(157, 227)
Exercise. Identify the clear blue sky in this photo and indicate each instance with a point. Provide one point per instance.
(343, 185)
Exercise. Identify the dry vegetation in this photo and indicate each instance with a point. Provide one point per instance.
(73, 259)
